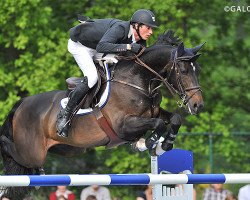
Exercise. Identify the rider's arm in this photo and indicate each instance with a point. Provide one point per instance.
(111, 41)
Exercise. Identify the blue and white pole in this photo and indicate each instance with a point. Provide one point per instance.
(122, 179)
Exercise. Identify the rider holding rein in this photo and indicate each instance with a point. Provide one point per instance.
(102, 36)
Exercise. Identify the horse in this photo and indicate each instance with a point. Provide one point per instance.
(133, 109)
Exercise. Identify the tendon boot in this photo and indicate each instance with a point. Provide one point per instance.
(168, 143)
(175, 124)
(75, 98)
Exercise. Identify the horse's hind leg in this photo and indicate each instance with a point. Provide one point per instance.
(9, 148)
(12, 167)
(40, 171)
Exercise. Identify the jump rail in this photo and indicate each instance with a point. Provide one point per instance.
(121, 179)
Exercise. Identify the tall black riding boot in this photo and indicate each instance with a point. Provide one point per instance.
(75, 98)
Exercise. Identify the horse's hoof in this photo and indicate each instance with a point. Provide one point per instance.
(41, 171)
(152, 152)
(167, 146)
(150, 143)
(134, 148)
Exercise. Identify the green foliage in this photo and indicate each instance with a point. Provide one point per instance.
(34, 59)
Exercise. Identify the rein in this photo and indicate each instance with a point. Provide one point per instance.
(140, 62)
(172, 90)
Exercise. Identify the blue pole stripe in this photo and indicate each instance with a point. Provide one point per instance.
(206, 178)
(49, 180)
(126, 179)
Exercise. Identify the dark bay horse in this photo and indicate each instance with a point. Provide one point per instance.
(133, 108)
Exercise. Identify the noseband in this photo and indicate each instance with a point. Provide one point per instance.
(181, 91)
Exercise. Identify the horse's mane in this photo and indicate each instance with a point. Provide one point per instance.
(168, 38)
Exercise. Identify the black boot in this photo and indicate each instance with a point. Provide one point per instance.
(75, 98)
(175, 124)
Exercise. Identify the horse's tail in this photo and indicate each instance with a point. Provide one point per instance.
(11, 167)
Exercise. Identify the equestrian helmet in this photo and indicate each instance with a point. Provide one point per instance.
(144, 16)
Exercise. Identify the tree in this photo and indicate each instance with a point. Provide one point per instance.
(34, 59)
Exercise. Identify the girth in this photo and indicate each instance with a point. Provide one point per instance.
(114, 140)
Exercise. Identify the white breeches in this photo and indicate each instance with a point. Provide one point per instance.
(84, 58)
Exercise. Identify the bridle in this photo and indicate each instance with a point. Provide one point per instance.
(180, 91)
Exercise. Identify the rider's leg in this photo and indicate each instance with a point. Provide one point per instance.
(75, 98)
(84, 58)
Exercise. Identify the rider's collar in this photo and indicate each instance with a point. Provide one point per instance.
(131, 33)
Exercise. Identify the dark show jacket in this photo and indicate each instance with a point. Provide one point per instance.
(104, 35)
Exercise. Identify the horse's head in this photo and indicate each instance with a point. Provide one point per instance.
(169, 62)
(183, 75)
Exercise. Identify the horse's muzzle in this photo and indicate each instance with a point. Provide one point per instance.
(195, 107)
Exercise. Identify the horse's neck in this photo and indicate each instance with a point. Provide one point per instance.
(155, 57)
(158, 58)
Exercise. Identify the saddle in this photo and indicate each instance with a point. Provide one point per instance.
(92, 99)
(94, 94)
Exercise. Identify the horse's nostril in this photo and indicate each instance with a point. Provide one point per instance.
(195, 105)
(198, 106)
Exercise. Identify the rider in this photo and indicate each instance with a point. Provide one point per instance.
(102, 36)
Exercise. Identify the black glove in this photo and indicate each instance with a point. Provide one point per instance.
(135, 47)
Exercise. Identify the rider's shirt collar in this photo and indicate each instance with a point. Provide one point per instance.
(131, 33)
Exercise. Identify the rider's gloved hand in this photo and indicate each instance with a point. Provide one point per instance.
(110, 58)
(135, 47)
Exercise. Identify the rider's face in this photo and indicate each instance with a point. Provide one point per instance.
(145, 31)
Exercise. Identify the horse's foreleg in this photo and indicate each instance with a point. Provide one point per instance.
(139, 126)
(174, 121)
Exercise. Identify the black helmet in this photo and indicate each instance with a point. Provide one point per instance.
(144, 16)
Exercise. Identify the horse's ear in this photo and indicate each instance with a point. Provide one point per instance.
(197, 48)
(180, 49)
(195, 57)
